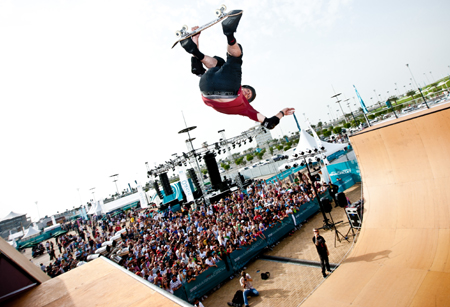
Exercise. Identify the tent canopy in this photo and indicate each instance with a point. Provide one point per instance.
(30, 232)
(308, 142)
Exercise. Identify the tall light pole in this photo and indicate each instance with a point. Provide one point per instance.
(115, 181)
(93, 193)
(375, 93)
(339, 103)
(432, 78)
(420, 90)
(348, 104)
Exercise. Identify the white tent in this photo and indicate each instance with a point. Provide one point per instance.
(16, 235)
(95, 209)
(30, 232)
(308, 142)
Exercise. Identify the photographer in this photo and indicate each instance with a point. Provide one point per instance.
(246, 283)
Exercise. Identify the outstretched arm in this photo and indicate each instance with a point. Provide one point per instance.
(272, 122)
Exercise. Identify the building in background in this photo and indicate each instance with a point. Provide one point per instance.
(13, 222)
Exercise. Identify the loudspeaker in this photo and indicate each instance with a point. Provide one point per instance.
(342, 200)
(213, 170)
(166, 184)
(156, 187)
(198, 193)
(326, 204)
(194, 178)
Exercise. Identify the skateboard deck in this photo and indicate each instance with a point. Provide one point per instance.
(221, 15)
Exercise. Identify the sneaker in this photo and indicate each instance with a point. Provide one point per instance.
(188, 45)
(230, 24)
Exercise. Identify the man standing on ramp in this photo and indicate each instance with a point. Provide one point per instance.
(322, 250)
(220, 85)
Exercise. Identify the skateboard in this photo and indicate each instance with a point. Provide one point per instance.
(221, 15)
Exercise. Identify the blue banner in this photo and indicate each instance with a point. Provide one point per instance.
(363, 106)
(207, 280)
(279, 230)
(344, 174)
(241, 257)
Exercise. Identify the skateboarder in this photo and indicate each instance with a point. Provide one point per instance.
(220, 85)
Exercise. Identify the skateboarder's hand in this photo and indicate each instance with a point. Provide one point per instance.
(196, 36)
(288, 111)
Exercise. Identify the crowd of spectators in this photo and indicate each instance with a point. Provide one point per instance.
(169, 248)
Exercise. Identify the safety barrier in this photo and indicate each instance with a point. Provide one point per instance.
(213, 276)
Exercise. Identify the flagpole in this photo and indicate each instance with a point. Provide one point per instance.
(296, 121)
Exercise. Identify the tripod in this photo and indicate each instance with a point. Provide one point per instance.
(337, 233)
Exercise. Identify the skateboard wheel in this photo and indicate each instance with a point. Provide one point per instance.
(218, 13)
(178, 33)
(223, 7)
(185, 28)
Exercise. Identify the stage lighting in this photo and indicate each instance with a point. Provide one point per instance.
(322, 148)
(286, 166)
(250, 139)
(309, 151)
(317, 159)
(302, 153)
(295, 165)
(217, 146)
(295, 155)
(219, 151)
(315, 149)
(302, 164)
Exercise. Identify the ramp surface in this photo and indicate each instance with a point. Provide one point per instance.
(402, 257)
(97, 283)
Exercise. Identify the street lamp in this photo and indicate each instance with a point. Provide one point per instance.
(348, 104)
(93, 193)
(115, 181)
(338, 102)
(375, 93)
(432, 78)
(420, 90)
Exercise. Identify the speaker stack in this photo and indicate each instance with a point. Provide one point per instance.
(198, 193)
(166, 184)
(156, 187)
(326, 204)
(213, 170)
(342, 200)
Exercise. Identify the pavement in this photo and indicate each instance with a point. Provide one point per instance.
(291, 283)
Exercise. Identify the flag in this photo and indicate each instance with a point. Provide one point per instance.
(363, 106)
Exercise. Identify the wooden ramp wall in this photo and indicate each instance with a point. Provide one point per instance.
(402, 257)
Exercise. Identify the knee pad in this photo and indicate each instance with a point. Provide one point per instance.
(220, 61)
(197, 66)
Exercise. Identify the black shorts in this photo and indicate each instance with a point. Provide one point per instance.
(225, 77)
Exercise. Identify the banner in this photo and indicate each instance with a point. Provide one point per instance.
(207, 280)
(241, 257)
(279, 230)
(344, 174)
(185, 184)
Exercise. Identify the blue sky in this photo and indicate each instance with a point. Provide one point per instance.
(91, 88)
